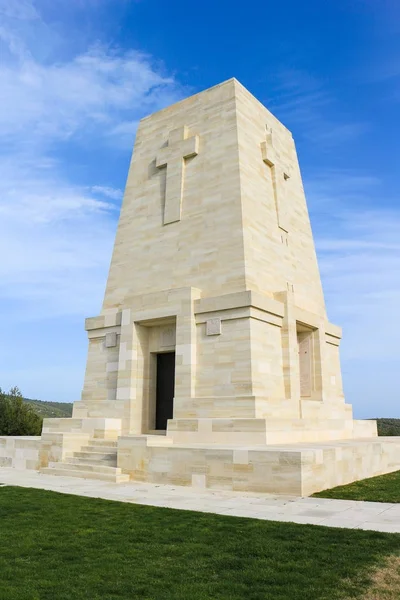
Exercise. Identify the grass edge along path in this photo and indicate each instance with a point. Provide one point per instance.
(57, 547)
(383, 488)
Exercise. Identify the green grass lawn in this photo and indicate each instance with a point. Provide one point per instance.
(63, 547)
(385, 488)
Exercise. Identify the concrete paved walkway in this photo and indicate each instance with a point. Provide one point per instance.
(377, 516)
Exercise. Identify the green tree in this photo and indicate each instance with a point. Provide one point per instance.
(17, 417)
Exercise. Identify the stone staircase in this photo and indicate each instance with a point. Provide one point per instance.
(98, 460)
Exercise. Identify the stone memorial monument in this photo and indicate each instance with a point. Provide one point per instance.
(213, 362)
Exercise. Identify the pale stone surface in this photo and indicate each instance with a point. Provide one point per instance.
(213, 326)
(111, 340)
(254, 283)
(376, 516)
(298, 469)
(179, 148)
(214, 260)
(20, 452)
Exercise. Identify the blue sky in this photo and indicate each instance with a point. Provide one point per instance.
(75, 78)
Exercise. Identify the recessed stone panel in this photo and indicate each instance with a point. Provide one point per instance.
(213, 326)
(111, 340)
(168, 336)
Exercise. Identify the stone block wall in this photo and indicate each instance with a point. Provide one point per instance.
(20, 452)
(293, 469)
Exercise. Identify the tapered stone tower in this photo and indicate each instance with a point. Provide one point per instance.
(213, 348)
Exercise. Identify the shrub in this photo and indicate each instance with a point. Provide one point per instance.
(388, 426)
(17, 417)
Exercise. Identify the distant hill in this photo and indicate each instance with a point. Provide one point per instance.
(50, 410)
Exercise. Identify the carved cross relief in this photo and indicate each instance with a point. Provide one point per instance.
(180, 147)
(280, 174)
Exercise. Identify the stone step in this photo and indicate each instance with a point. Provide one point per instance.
(65, 472)
(75, 464)
(104, 449)
(159, 440)
(311, 435)
(108, 443)
(95, 456)
(92, 460)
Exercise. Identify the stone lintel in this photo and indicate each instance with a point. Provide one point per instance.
(161, 307)
(237, 300)
(333, 332)
(308, 318)
(102, 321)
(156, 306)
(94, 323)
(103, 332)
(240, 313)
(266, 317)
(226, 315)
(160, 316)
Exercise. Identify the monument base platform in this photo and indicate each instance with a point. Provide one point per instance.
(292, 469)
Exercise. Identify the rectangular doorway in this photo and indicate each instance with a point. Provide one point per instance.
(165, 389)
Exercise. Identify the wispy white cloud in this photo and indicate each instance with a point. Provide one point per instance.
(101, 92)
(359, 254)
(96, 92)
(23, 9)
(55, 241)
(56, 233)
(306, 104)
(109, 192)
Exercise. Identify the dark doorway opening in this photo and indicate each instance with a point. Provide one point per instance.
(165, 389)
